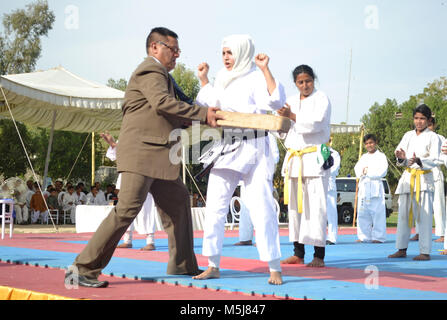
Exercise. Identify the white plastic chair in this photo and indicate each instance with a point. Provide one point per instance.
(54, 215)
(66, 215)
(235, 215)
(6, 216)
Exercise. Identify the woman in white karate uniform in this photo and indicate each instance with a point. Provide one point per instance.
(144, 223)
(332, 213)
(418, 152)
(370, 169)
(310, 111)
(240, 87)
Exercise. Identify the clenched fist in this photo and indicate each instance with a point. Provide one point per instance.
(262, 61)
(203, 69)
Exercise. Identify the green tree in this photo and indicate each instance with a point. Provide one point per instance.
(120, 84)
(20, 48)
(20, 45)
(187, 80)
(14, 161)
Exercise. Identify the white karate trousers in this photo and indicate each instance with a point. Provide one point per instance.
(423, 214)
(309, 227)
(439, 208)
(332, 216)
(258, 198)
(245, 225)
(371, 220)
(144, 223)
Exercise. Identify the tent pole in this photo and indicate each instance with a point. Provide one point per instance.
(93, 158)
(50, 144)
(184, 163)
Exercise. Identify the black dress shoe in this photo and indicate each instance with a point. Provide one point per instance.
(86, 282)
(329, 242)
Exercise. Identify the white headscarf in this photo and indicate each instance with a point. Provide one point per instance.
(243, 50)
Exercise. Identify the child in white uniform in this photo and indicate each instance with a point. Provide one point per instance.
(371, 168)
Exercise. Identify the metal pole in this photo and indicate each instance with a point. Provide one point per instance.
(50, 144)
(184, 163)
(357, 179)
(349, 87)
(93, 158)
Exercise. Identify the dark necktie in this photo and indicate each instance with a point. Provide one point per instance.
(179, 93)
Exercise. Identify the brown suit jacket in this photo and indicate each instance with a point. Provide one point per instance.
(150, 113)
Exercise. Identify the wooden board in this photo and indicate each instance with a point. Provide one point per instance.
(254, 121)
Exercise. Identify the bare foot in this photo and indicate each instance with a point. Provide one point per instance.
(316, 263)
(124, 245)
(210, 273)
(293, 260)
(376, 241)
(440, 239)
(244, 243)
(148, 247)
(443, 252)
(398, 254)
(422, 257)
(358, 241)
(275, 278)
(415, 238)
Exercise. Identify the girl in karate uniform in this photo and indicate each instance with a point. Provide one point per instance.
(240, 87)
(310, 111)
(418, 153)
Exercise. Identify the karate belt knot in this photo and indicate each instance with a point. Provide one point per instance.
(299, 154)
(415, 177)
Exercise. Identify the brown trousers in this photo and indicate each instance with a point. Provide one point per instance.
(172, 199)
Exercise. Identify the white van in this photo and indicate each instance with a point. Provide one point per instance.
(346, 199)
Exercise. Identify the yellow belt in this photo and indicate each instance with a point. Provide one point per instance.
(299, 154)
(415, 177)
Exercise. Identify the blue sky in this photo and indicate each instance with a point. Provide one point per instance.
(398, 46)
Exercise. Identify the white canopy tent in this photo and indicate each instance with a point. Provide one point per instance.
(59, 100)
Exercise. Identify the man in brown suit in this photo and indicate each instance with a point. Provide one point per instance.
(150, 113)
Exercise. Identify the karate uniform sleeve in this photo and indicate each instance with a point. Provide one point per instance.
(403, 145)
(433, 158)
(265, 101)
(337, 161)
(358, 168)
(207, 96)
(316, 119)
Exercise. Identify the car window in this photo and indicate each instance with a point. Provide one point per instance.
(345, 185)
